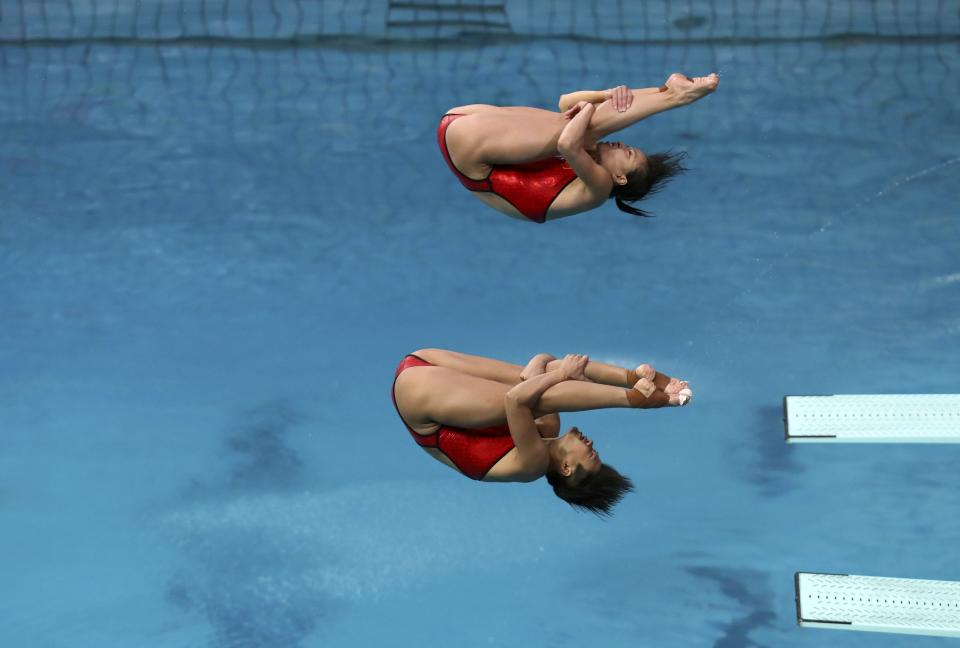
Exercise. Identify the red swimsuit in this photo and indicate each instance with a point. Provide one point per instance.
(474, 451)
(530, 187)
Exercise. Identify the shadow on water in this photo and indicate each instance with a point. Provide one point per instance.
(258, 445)
(257, 454)
(256, 585)
(771, 466)
(251, 590)
(749, 589)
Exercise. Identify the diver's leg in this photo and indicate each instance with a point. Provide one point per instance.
(621, 377)
(678, 90)
(478, 366)
(502, 136)
(577, 396)
(439, 395)
(660, 380)
(510, 374)
(445, 396)
(470, 109)
(605, 373)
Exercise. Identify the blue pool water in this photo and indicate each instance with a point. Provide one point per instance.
(214, 249)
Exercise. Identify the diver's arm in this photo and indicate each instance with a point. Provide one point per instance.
(537, 365)
(570, 145)
(570, 100)
(518, 404)
(548, 425)
(520, 401)
(528, 392)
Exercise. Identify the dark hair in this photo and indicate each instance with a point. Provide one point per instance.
(598, 492)
(660, 168)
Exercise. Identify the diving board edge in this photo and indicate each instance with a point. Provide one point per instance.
(871, 418)
(941, 620)
(802, 438)
(812, 623)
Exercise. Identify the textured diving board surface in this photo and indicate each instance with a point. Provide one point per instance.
(902, 605)
(916, 418)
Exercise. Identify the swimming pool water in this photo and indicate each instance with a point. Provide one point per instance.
(213, 254)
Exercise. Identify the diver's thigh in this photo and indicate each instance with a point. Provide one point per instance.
(503, 136)
(474, 365)
(450, 397)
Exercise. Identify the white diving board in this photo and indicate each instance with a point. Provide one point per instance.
(901, 605)
(895, 418)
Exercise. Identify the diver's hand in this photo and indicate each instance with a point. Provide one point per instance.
(621, 97)
(686, 90)
(573, 365)
(536, 366)
(576, 108)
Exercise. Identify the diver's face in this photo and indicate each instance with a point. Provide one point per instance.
(620, 160)
(580, 458)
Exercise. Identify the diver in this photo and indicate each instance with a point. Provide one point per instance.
(540, 165)
(497, 421)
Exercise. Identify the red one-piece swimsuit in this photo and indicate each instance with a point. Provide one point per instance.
(474, 451)
(530, 187)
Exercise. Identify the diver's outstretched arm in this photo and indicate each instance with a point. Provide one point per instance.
(679, 90)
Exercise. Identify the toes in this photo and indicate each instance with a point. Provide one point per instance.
(676, 386)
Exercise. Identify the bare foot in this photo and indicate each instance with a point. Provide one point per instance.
(687, 90)
(661, 380)
(677, 391)
(645, 395)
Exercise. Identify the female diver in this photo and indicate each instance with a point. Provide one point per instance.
(507, 156)
(496, 421)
